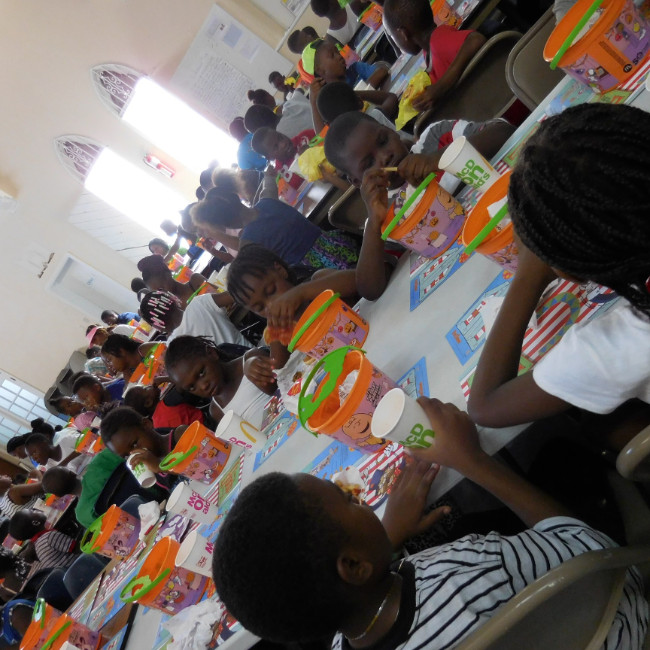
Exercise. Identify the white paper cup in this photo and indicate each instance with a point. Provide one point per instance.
(195, 554)
(143, 475)
(240, 432)
(462, 160)
(187, 502)
(401, 419)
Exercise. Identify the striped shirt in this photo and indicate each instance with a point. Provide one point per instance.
(53, 549)
(8, 508)
(450, 590)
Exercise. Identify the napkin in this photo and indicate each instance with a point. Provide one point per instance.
(416, 85)
(148, 513)
(191, 628)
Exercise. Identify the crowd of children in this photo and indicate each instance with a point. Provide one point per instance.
(297, 560)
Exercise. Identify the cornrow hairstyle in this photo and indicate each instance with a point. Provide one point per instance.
(115, 344)
(258, 142)
(274, 562)
(337, 98)
(153, 267)
(256, 261)
(579, 201)
(187, 347)
(156, 241)
(156, 307)
(85, 381)
(337, 137)
(220, 208)
(117, 418)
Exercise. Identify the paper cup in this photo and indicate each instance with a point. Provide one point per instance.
(462, 160)
(240, 432)
(143, 475)
(187, 502)
(195, 554)
(401, 419)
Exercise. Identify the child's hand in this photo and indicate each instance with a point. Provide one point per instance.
(148, 458)
(374, 192)
(415, 167)
(427, 98)
(404, 516)
(260, 371)
(455, 442)
(281, 311)
(314, 89)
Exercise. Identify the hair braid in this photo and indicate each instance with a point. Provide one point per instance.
(578, 197)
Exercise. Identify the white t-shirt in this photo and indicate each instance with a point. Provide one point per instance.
(67, 442)
(344, 34)
(296, 116)
(449, 591)
(600, 364)
(203, 317)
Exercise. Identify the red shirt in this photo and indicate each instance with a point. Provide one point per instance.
(444, 45)
(170, 417)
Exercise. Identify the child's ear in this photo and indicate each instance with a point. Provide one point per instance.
(353, 568)
(281, 270)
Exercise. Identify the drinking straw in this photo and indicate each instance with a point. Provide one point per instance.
(574, 32)
(485, 231)
(389, 169)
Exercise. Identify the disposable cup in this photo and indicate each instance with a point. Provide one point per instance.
(142, 473)
(195, 554)
(400, 418)
(240, 432)
(462, 160)
(188, 503)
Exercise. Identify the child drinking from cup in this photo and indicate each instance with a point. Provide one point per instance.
(317, 563)
(198, 367)
(359, 146)
(579, 205)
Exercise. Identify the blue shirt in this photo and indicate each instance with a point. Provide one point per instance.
(247, 158)
(359, 71)
(282, 229)
(115, 388)
(127, 316)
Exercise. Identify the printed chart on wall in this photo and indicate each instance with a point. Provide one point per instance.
(224, 61)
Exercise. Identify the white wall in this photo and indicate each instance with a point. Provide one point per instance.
(47, 50)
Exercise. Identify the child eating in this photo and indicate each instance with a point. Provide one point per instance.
(361, 148)
(601, 363)
(447, 50)
(90, 391)
(316, 562)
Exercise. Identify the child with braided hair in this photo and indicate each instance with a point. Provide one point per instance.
(579, 203)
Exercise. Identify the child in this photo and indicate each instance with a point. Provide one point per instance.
(121, 354)
(361, 147)
(15, 497)
(300, 38)
(277, 80)
(447, 50)
(93, 394)
(316, 562)
(246, 157)
(60, 481)
(277, 226)
(338, 97)
(167, 411)
(51, 548)
(95, 364)
(63, 453)
(196, 367)
(343, 23)
(295, 118)
(323, 59)
(111, 317)
(204, 316)
(602, 363)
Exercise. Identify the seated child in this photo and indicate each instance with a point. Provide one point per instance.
(60, 480)
(300, 38)
(317, 563)
(343, 23)
(338, 97)
(361, 147)
(602, 362)
(167, 410)
(296, 116)
(448, 51)
(111, 317)
(278, 81)
(90, 391)
(323, 59)
(204, 316)
(50, 548)
(63, 453)
(15, 497)
(196, 366)
(121, 354)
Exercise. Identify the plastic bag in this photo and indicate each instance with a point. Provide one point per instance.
(309, 162)
(418, 83)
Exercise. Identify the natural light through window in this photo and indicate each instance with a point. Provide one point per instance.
(172, 126)
(133, 191)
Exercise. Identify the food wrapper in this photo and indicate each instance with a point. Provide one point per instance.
(309, 163)
(282, 334)
(290, 378)
(148, 513)
(417, 84)
(350, 481)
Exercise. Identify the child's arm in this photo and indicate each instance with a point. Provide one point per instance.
(499, 397)
(258, 368)
(427, 99)
(386, 102)
(71, 456)
(197, 280)
(21, 494)
(456, 445)
(333, 178)
(378, 77)
(370, 273)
